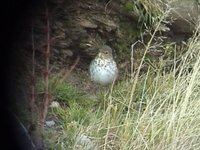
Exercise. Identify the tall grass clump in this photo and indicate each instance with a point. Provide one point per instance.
(155, 110)
(161, 111)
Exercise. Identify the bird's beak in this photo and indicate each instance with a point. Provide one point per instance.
(100, 55)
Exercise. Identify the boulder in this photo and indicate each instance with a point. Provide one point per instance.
(185, 15)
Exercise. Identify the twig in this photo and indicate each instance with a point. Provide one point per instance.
(46, 72)
(33, 78)
(71, 68)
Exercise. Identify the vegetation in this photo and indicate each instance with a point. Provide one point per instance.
(154, 111)
(157, 108)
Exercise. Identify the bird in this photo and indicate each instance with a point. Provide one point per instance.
(103, 68)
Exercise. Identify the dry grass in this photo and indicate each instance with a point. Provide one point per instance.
(156, 110)
(159, 111)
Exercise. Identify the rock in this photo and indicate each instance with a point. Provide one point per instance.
(84, 143)
(54, 104)
(185, 14)
(69, 52)
(105, 21)
(50, 123)
(87, 24)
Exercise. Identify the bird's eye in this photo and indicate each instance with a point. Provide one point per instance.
(106, 52)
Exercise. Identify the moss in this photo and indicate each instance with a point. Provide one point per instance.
(129, 34)
(128, 6)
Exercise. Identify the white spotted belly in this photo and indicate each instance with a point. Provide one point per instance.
(103, 73)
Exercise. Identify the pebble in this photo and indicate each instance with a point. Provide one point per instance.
(50, 123)
(85, 142)
(54, 104)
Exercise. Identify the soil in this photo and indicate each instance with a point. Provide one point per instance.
(77, 30)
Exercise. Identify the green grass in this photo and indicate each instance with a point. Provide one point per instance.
(62, 91)
(155, 110)
(160, 111)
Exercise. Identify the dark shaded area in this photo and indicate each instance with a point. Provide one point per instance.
(13, 15)
(15, 134)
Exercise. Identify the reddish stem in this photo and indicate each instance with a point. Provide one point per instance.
(46, 72)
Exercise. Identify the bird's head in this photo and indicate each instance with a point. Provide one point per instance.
(105, 52)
